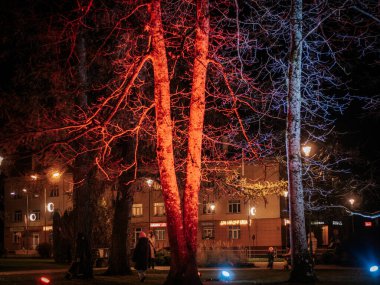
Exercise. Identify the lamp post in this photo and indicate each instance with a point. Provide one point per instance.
(352, 201)
(150, 183)
(306, 149)
(212, 207)
(26, 218)
(251, 214)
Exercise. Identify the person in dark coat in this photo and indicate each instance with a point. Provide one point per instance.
(141, 256)
(271, 254)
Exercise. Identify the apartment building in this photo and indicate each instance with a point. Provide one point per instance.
(29, 204)
(232, 221)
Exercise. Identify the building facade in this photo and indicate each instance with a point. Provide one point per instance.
(229, 220)
(29, 204)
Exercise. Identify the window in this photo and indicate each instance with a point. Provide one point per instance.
(54, 192)
(207, 207)
(159, 209)
(16, 238)
(160, 234)
(18, 216)
(234, 232)
(234, 206)
(136, 236)
(137, 210)
(208, 233)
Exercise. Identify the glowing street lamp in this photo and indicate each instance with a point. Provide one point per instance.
(56, 174)
(306, 150)
(352, 201)
(150, 183)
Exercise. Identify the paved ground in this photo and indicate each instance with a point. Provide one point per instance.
(327, 274)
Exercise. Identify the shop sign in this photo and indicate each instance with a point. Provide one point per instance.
(368, 224)
(158, 225)
(317, 223)
(233, 222)
(337, 223)
(47, 228)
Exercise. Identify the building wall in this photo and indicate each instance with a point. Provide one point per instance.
(25, 233)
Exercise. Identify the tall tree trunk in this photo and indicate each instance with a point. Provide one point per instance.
(165, 155)
(84, 173)
(119, 261)
(302, 266)
(194, 153)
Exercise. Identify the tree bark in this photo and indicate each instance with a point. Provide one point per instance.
(119, 261)
(302, 265)
(195, 133)
(165, 155)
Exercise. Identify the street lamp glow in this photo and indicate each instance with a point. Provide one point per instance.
(212, 206)
(252, 211)
(306, 150)
(351, 201)
(285, 193)
(13, 193)
(149, 182)
(33, 176)
(1, 159)
(24, 190)
(56, 174)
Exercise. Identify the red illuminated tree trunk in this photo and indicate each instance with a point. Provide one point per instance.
(302, 266)
(195, 133)
(182, 230)
(165, 154)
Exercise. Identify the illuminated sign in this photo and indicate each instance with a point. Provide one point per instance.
(47, 228)
(158, 225)
(32, 217)
(317, 223)
(233, 222)
(337, 223)
(50, 207)
(368, 224)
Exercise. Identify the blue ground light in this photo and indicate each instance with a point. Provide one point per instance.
(374, 268)
(225, 276)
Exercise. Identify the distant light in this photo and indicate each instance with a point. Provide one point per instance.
(352, 201)
(149, 182)
(212, 206)
(44, 280)
(13, 193)
(56, 174)
(24, 190)
(252, 211)
(1, 159)
(306, 150)
(33, 176)
(285, 193)
(368, 224)
(374, 268)
(225, 276)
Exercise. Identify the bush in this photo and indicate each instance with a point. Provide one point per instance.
(162, 257)
(44, 250)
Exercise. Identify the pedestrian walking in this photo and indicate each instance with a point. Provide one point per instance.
(141, 256)
(270, 257)
(152, 242)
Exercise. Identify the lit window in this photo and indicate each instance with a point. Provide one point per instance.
(160, 234)
(208, 207)
(234, 206)
(234, 232)
(18, 216)
(54, 192)
(137, 210)
(208, 233)
(159, 209)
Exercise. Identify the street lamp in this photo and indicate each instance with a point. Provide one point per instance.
(26, 219)
(212, 208)
(352, 201)
(150, 183)
(306, 149)
(251, 214)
